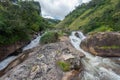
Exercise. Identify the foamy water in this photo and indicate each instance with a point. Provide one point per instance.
(33, 43)
(5, 62)
(95, 68)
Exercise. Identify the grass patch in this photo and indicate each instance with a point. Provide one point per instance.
(110, 47)
(49, 37)
(64, 65)
(103, 29)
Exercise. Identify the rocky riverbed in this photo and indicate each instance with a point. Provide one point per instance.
(66, 60)
(41, 63)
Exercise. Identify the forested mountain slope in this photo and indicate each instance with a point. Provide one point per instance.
(20, 20)
(97, 15)
(52, 22)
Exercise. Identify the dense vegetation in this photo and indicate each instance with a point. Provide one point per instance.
(19, 20)
(52, 22)
(49, 37)
(95, 16)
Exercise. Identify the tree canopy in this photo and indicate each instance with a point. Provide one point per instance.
(18, 21)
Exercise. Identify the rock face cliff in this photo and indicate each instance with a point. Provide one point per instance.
(105, 44)
(9, 49)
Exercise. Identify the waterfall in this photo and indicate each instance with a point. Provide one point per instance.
(95, 68)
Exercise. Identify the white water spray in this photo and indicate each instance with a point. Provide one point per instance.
(95, 68)
(33, 43)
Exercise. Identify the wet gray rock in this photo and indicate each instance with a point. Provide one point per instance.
(116, 60)
(77, 34)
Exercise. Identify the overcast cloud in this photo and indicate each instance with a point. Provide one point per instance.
(58, 9)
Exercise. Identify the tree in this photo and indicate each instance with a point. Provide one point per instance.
(17, 22)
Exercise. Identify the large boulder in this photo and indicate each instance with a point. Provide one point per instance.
(105, 44)
(41, 63)
(6, 50)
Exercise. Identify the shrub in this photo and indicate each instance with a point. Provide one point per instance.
(49, 37)
(64, 65)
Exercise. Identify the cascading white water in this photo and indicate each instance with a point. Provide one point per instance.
(5, 62)
(95, 68)
(32, 44)
(8, 60)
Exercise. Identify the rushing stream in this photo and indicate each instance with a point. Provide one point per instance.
(95, 68)
(31, 45)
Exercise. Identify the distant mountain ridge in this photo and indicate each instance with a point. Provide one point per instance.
(53, 22)
(95, 16)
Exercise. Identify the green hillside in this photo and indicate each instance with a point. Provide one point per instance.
(52, 22)
(19, 21)
(97, 15)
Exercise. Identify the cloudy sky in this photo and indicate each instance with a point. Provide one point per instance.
(58, 9)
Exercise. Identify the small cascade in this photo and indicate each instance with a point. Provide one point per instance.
(5, 62)
(33, 43)
(95, 68)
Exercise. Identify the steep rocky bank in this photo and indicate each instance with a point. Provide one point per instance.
(40, 63)
(105, 44)
(15, 48)
(6, 50)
